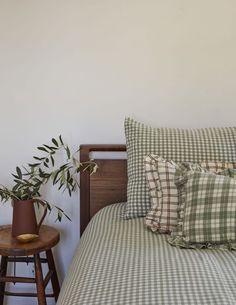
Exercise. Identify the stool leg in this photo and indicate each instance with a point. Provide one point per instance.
(3, 272)
(54, 278)
(39, 280)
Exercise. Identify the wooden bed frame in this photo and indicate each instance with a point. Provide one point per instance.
(108, 185)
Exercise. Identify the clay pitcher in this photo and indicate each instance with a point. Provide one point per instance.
(24, 218)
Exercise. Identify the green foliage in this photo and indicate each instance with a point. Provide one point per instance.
(29, 179)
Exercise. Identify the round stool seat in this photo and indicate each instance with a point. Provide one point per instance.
(10, 246)
(12, 250)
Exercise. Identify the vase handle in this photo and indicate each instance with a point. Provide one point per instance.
(44, 213)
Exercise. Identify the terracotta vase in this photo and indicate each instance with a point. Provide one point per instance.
(24, 218)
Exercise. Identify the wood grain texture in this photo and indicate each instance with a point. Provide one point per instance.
(9, 246)
(39, 280)
(53, 276)
(108, 185)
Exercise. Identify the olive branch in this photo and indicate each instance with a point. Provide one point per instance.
(29, 179)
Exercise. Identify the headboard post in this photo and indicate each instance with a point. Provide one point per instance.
(85, 178)
(84, 189)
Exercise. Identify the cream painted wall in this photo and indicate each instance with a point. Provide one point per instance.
(79, 67)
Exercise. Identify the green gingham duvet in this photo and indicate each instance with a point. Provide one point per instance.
(121, 262)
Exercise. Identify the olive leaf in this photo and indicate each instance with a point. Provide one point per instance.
(54, 141)
(28, 180)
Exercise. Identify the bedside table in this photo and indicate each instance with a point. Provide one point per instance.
(12, 250)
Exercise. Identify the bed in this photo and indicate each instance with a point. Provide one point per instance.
(121, 262)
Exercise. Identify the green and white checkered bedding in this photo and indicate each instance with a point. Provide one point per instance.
(121, 262)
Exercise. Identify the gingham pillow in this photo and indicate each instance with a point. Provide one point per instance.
(160, 174)
(207, 211)
(191, 145)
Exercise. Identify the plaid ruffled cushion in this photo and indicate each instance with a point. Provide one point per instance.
(190, 145)
(207, 211)
(160, 174)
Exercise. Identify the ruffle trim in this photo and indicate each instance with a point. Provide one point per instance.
(178, 241)
(177, 237)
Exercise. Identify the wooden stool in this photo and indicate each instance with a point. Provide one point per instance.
(12, 250)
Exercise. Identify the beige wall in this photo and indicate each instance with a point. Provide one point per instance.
(79, 67)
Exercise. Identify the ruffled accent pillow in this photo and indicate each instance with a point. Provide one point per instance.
(207, 210)
(160, 174)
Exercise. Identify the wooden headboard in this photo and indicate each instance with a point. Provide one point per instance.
(108, 185)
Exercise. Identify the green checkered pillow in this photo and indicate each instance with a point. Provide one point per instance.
(190, 145)
(160, 174)
(207, 210)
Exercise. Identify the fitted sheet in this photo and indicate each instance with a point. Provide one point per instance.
(121, 262)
